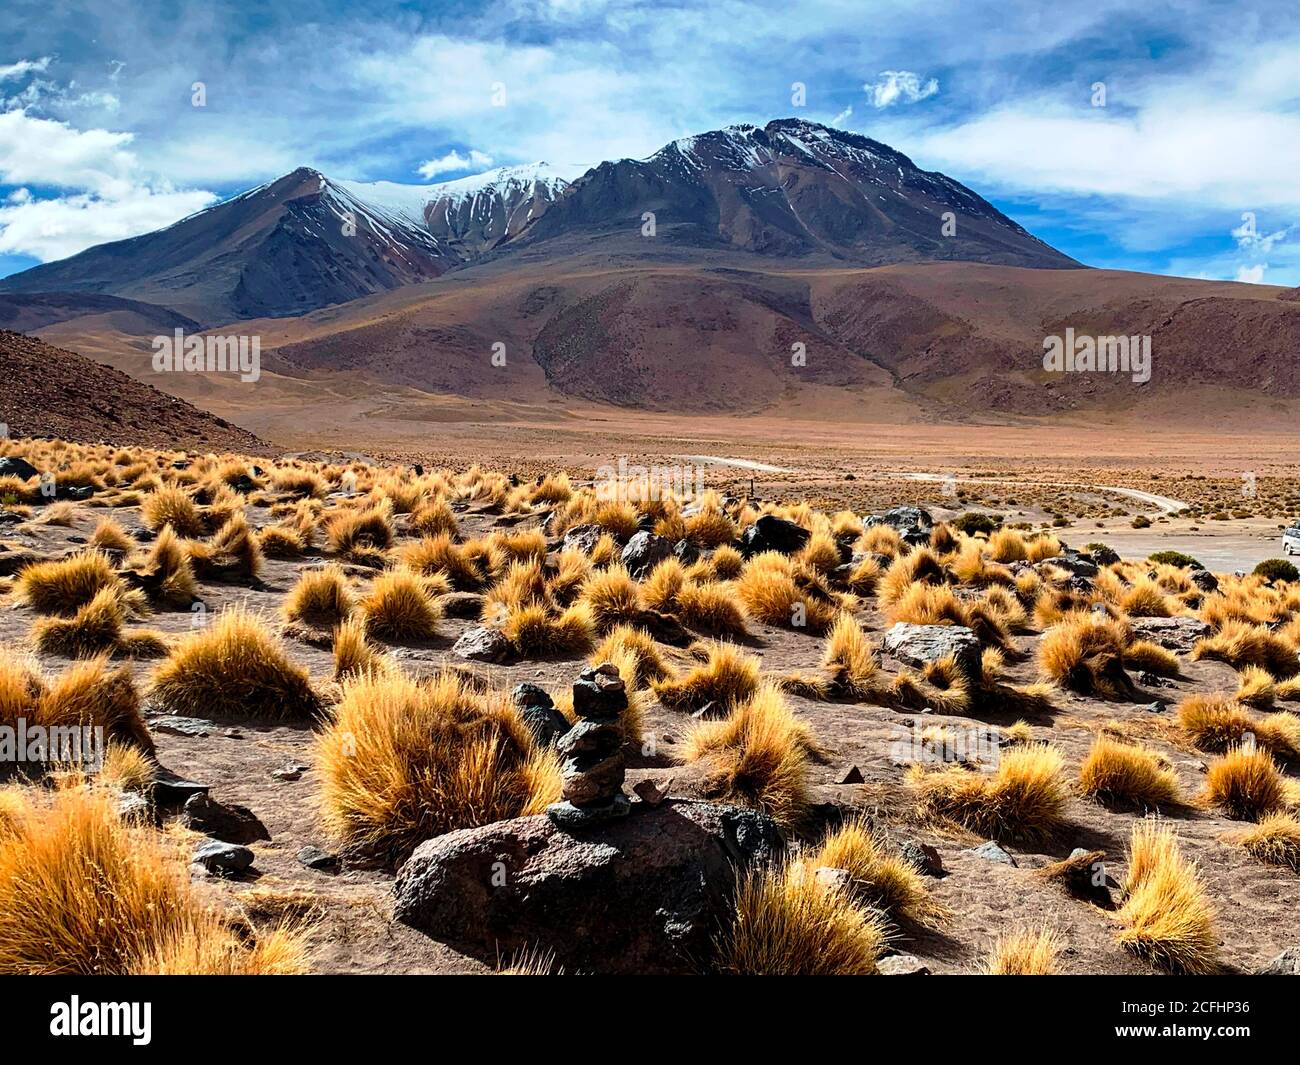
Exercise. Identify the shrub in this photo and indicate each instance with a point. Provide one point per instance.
(1174, 558)
(973, 522)
(1277, 569)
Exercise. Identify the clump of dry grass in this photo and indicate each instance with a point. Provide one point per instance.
(941, 686)
(727, 677)
(1023, 799)
(233, 552)
(1166, 917)
(1086, 654)
(635, 653)
(612, 596)
(363, 535)
(353, 651)
(1256, 688)
(772, 591)
(64, 586)
(319, 597)
(850, 660)
(1242, 644)
(111, 538)
(1245, 784)
(535, 631)
(170, 505)
(1151, 657)
(881, 878)
(789, 924)
(400, 606)
(97, 628)
(1117, 773)
(234, 667)
(758, 756)
(1275, 840)
(82, 893)
(165, 573)
(88, 693)
(1216, 722)
(404, 761)
(1025, 952)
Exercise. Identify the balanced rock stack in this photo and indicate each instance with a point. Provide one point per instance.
(592, 750)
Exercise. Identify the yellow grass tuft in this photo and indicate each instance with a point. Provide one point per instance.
(319, 597)
(1166, 918)
(881, 878)
(1023, 799)
(758, 756)
(1025, 952)
(1275, 840)
(1245, 784)
(400, 606)
(789, 924)
(234, 667)
(404, 761)
(728, 677)
(1117, 772)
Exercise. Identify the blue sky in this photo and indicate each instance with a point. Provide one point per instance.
(1165, 138)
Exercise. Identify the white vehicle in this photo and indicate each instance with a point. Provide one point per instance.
(1291, 539)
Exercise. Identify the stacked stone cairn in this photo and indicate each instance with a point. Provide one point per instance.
(593, 765)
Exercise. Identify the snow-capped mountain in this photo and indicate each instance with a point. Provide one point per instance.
(791, 189)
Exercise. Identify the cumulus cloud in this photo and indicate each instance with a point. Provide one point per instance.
(107, 194)
(900, 86)
(453, 161)
(1253, 275)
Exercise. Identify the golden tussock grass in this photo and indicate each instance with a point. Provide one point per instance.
(712, 609)
(1145, 599)
(281, 541)
(319, 597)
(1025, 952)
(435, 518)
(612, 596)
(365, 531)
(97, 628)
(87, 693)
(170, 505)
(1245, 784)
(771, 593)
(400, 606)
(302, 484)
(232, 552)
(534, 631)
(1256, 688)
(1086, 654)
(82, 893)
(234, 667)
(635, 653)
(727, 563)
(353, 652)
(1216, 722)
(710, 528)
(1023, 799)
(127, 768)
(572, 568)
(850, 660)
(1007, 545)
(64, 586)
(758, 756)
(1241, 644)
(111, 538)
(789, 924)
(1151, 657)
(403, 761)
(1166, 918)
(467, 568)
(664, 583)
(727, 677)
(1119, 773)
(882, 879)
(1274, 840)
(940, 685)
(165, 572)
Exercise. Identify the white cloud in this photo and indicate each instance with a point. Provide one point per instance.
(24, 67)
(454, 161)
(62, 226)
(1253, 275)
(843, 116)
(109, 196)
(895, 86)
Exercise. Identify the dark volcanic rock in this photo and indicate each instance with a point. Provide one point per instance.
(918, 645)
(537, 709)
(482, 645)
(646, 893)
(13, 466)
(914, 524)
(644, 552)
(770, 533)
(231, 823)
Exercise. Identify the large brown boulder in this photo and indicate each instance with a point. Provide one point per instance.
(645, 894)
